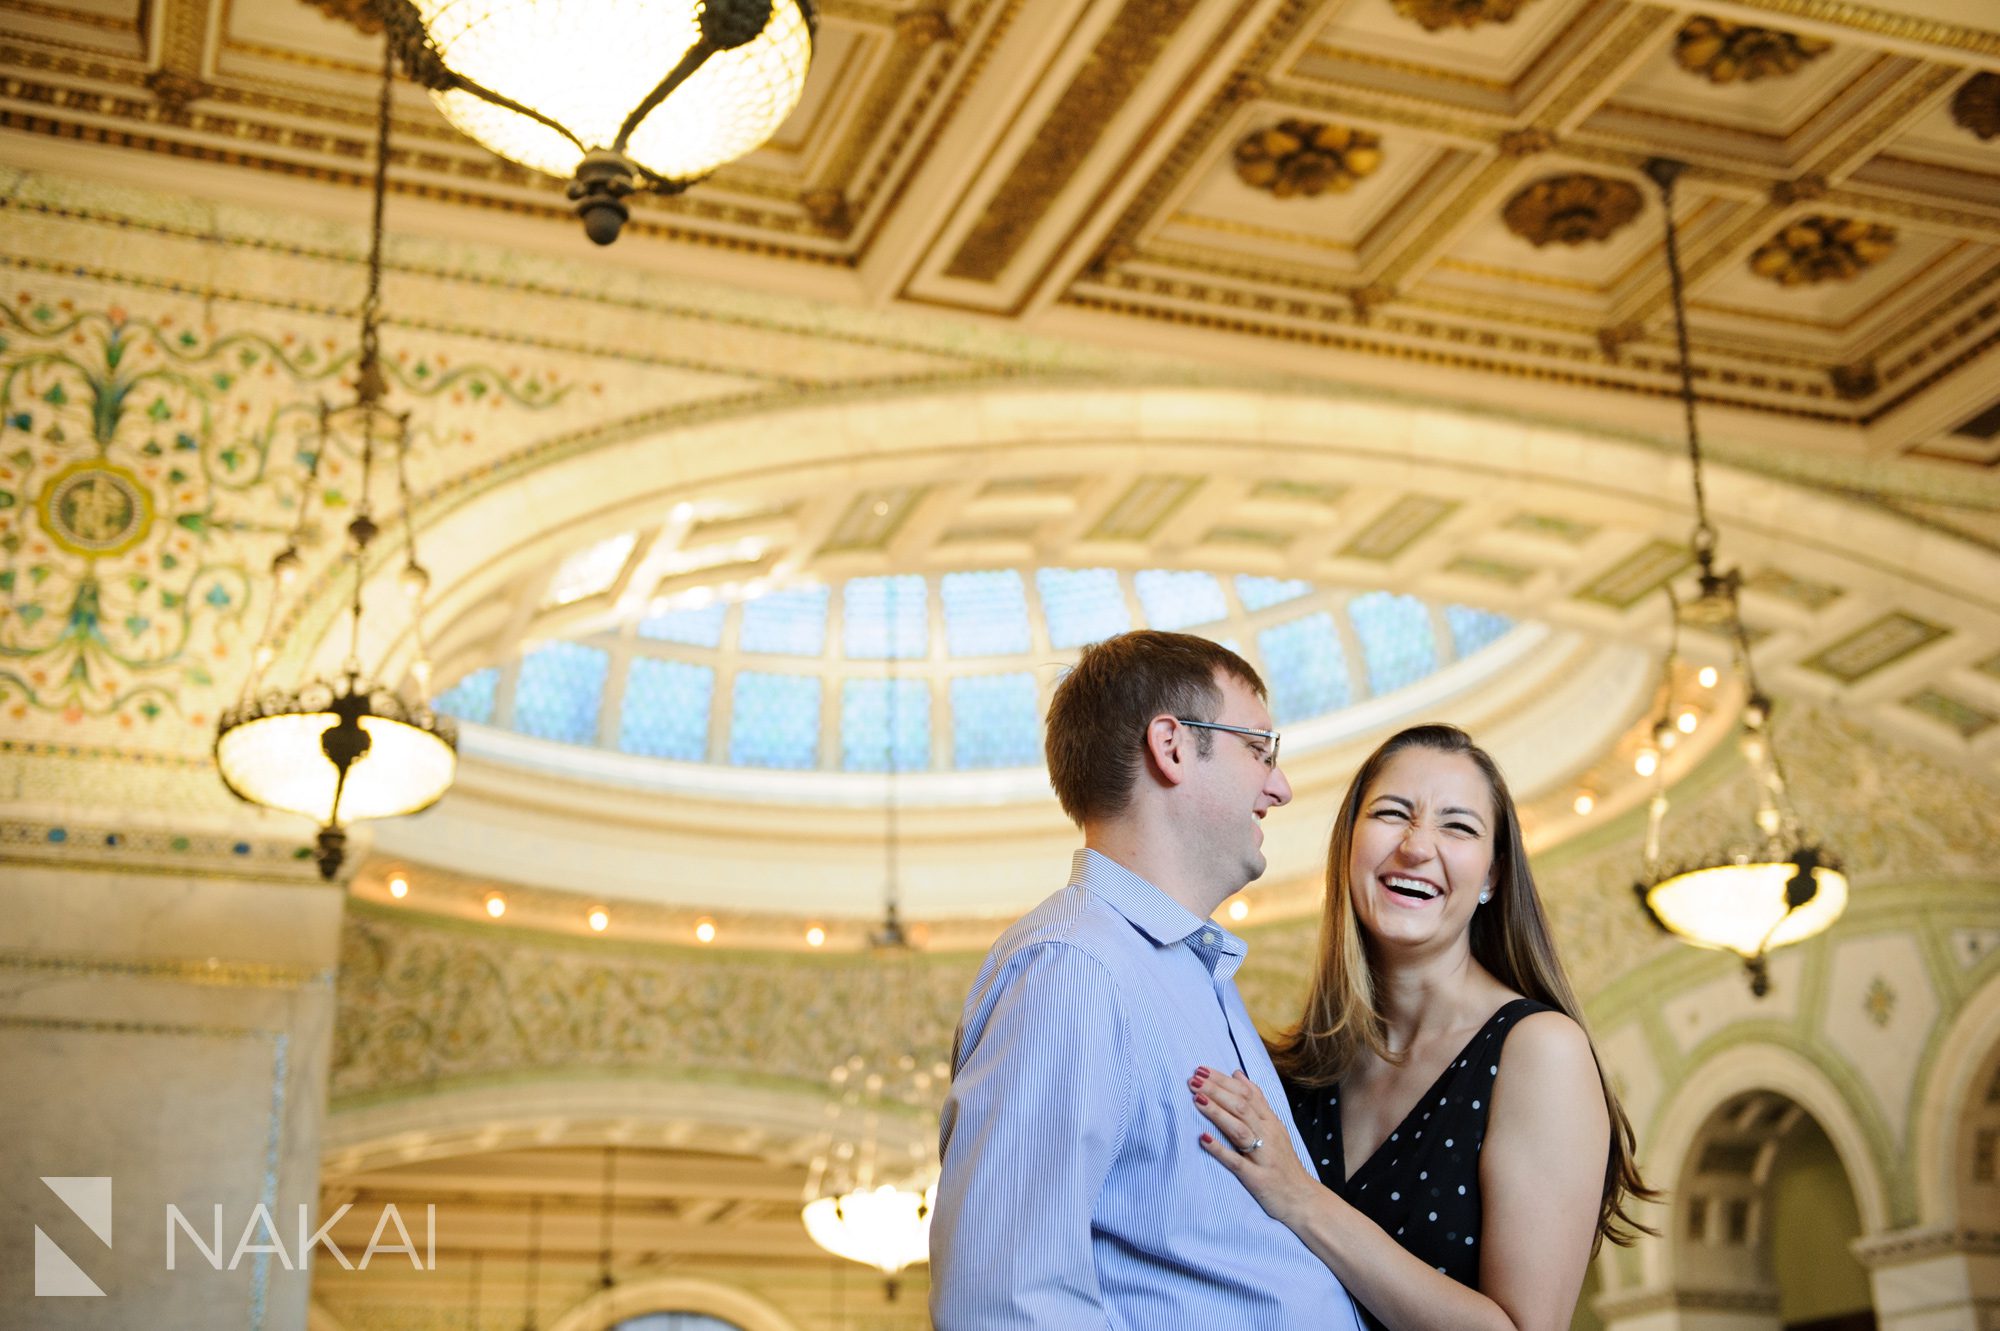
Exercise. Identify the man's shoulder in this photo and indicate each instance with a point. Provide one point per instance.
(1072, 917)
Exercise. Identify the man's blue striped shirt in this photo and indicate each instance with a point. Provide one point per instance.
(1075, 1190)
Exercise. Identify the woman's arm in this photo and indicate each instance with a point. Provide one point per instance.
(1541, 1178)
(1541, 1175)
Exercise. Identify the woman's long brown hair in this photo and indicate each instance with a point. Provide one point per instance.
(1510, 938)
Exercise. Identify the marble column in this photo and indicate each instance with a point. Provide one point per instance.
(1934, 1279)
(166, 1009)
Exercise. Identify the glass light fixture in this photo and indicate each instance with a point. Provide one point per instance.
(343, 749)
(619, 96)
(1778, 886)
(886, 1227)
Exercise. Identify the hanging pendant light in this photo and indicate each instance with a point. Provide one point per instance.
(343, 749)
(617, 96)
(859, 1205)
(1779, 885)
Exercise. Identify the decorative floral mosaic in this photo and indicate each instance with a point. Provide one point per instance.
(148, 466)
(422, 1004)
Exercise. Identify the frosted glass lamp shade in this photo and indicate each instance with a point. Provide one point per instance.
(885, 1227)
(1743, 908)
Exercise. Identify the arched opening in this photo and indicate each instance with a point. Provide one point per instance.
(1763, 1222)
(1814, 1222)
(675, 1321)
(1978, 1154)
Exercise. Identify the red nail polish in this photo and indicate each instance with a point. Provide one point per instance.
(1207, 1140)
(1200, 1099)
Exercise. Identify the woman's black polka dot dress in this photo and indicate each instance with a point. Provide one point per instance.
(1422, 1185)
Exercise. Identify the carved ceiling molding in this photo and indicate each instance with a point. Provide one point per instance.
(1571, 209)
(1818, 248)
(1437, 15)
(1305, 157)
(1725, 52)
(1975, 107)
(1108, 79)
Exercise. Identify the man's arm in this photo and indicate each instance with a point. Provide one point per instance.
(1034, 1120)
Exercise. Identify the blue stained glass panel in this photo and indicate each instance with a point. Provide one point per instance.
(1398, 645)
(1304, 668)
(1175, 600)
(665, 714)
(559, 691)
(1263, 593)
(869, 605)
(696, 627)
(471, 699)
(1473, 628)
(993, 721)
(864, 725)
(1082, 605)
(787, 623)
(985, 614)
(775, 721)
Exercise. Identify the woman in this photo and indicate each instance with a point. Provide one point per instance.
(1443, 1054)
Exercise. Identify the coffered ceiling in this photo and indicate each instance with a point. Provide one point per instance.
(1440, 195)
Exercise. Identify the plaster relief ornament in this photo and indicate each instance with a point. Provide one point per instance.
(1571, 209)
(1724, 52)
(1297, 157)
(1817, 249)
(1437, 15)
(1976, 106)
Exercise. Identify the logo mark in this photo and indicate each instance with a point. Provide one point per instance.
(57, 1276)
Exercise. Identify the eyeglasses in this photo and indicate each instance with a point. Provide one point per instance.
(1270, 737)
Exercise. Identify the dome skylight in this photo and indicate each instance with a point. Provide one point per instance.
(797, 679)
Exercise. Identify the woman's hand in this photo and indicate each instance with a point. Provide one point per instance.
(1253, 1143)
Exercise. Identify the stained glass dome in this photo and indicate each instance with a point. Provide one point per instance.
(799, 679)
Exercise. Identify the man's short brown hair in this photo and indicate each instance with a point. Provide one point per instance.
(1098, 717)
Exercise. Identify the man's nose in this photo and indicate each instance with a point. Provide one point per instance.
(1278, 788)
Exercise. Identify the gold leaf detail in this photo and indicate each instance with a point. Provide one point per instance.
(1571, 209)
(1297, 157)
(1723, 52)
(1816, 248)
(1437, 15)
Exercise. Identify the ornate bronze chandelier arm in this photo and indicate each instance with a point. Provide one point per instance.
(426, 67)
(697, 56)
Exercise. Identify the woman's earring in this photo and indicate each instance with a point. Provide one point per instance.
(1485, 895)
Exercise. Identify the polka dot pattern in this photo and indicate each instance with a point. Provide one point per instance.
(1428, 1189)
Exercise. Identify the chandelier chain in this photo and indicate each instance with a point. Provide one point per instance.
(604, 1280)
(1704, 533)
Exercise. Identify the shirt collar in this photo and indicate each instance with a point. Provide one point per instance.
(1154, 913)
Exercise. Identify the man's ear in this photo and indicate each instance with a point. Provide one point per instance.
(1169, 749)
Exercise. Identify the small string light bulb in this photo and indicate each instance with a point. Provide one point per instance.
(599, 919)
(496, 905)
(399, 887)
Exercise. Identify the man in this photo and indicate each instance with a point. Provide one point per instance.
(1075, 1191)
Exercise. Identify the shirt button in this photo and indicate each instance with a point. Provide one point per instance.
(1208, 940)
